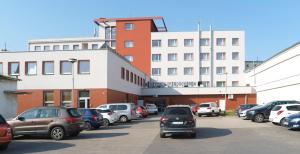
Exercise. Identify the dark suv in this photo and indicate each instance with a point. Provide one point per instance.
(57, 122)
(259, 114)
(177, 119)
(92, 118)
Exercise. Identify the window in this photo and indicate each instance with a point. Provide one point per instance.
(188, 71)
(127, 75)
(235, 70)
(204, 70)
(95, 46)
(156, 71)
(48, 98)
(84, 67)
(205, 83)
(76, 47)
(172, 42)
(66, 98)
(48, 67)
(46, 48)
(30, 68)
(107, 32)
(156, 57)
(138, 80)
(188, 42)
(204, 56)
(235, 83)
(135, 80)
(156, 43)
(128, 26)
(65, 67)
(220, 70)
(37, 48)
(172, 57)
(48, 113)
(113, 43)
(113, 107)
(113, 32)
(220, 83)
(129, 58)
(66, 47)
(220, 41)
(221, 55)
(31, 114)
(188, 56)
(122, 107)
(131, 77)
(123, 73)
(128, 44)
(235, 41)
(235, 56)
(204, 42)
(13, 68)
(1, 68)
(55, 47)
(172, 71)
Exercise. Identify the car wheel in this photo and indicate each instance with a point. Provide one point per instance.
(4, 146)
(105, 122)
(199, 115)
(193, 135)
(88, 126)
(162, 135)
(57, 133)
(282, 121)
(74, 134)
(259, 118)
(123, 119)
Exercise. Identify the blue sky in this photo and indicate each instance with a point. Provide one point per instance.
(270, 25)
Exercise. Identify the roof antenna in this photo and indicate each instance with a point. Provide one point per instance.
(4, 47)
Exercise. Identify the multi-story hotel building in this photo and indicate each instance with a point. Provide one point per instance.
(132, 60)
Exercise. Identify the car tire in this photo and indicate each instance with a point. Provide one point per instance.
(123, 119)
(274, 123)
(282, 121)
(88, 126)
(57, 133)
(162, 135)
(3, 146)
(106, 122)
(259, 118)
(193, 135)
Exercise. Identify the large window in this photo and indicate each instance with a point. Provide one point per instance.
(235, 70)
(156, 71)
(221, 56)
(48, 98)
(221, 41)
(188, 56)
(156, 57)
(220, 70)
(128, 26)
(188, 71)
(204, 70)
(204, 42)
(220, 83)
(128, 44)
(235, 56)
(172, 71)
(30, 68)
(156, 43)
(204, 56)
(172, 57)
(84, 67)
(48, 67)
(65, 67)
(1, 68)
(66, 98)
(13, 68)
(188, 42)
(235, 42)
(172, 42)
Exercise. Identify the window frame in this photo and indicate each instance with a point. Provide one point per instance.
(201, 42)
(43, 67)
(158, 71)
(68, 47)
(185, 54)
(61, 98)
(9, 68)
(238, 41)
(130, 27)
(192, 72)
(223, 55)
(221, 69)
(156, 54)
(128, 41)
(26, 68)
(238, 56)
(175, 68)
(218, 43)
(61, 67)
(176, 56)
(176, 42)
(206, 68)
(78, 67)
(1, 68)
(159, 44)
(189, 45)
(44, 98)
(123, 73)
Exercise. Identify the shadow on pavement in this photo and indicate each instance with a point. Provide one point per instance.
(37, 146)
(115, 126)
(96, 135)
(203, 133)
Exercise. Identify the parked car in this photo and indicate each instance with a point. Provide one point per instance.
(292, 121)
(109, 117)
(262, 113)
(243, 107)
(141, 112)
(280, 112)
(92, 118)
(57, 122)
(209, 108)
(243, 113)
(125, 111)
(177, 119)
(152, 109)
(194, 108)
(5, 133)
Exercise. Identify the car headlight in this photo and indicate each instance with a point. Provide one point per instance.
(251, 112)
(295, 120)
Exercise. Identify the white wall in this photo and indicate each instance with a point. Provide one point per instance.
(8, 104)
(277, 78)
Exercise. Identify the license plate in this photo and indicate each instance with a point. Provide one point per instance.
(177, 122)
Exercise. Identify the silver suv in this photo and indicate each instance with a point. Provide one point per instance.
(125, 111)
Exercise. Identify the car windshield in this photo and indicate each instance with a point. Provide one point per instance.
(73, 112)
(178, 111)
(2, 120)
(204, 105)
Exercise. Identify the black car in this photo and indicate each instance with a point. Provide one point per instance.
(244, 107)
(259, 114)
(177, 119)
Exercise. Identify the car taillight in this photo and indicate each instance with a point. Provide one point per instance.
(109, 113)
(279, 112)
(70, 120)
(94, 118)
(209, 108)
(164, 119)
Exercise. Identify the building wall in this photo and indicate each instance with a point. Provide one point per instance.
(8, 104)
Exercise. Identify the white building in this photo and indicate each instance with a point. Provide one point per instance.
(8, 103)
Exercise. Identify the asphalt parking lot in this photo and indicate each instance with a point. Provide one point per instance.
(215, 135)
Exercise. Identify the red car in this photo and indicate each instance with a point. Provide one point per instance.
(5, 134)
(194, 108)
(141, 112)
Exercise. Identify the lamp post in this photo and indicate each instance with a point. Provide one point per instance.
(72, 60)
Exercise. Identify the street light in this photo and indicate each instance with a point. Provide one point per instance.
(72, 60)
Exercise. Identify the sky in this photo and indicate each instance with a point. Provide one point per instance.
(270, 25)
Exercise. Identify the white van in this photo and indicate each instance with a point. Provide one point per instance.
(125, 111)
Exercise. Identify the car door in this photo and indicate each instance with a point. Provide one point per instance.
(46, 117)
(114, 109)
(24, 123)
(122, 109)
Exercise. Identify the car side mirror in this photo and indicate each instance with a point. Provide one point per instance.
(21, 118)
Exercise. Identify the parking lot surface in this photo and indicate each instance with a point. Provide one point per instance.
(215, 135)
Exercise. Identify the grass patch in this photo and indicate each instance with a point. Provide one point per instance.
(230, 113)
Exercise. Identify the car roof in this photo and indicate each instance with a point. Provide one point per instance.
(52, 107)
(178, 106)
(287, 104)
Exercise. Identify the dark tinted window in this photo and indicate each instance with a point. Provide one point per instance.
(293, 108)
(94, 112)
(276, 108)
(73, 113)
(204, 105)
(48, 113)
(113, 107)
(2, 120)
(178, 111)
(122, 107)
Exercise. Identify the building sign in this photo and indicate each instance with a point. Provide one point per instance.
(172, 84)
